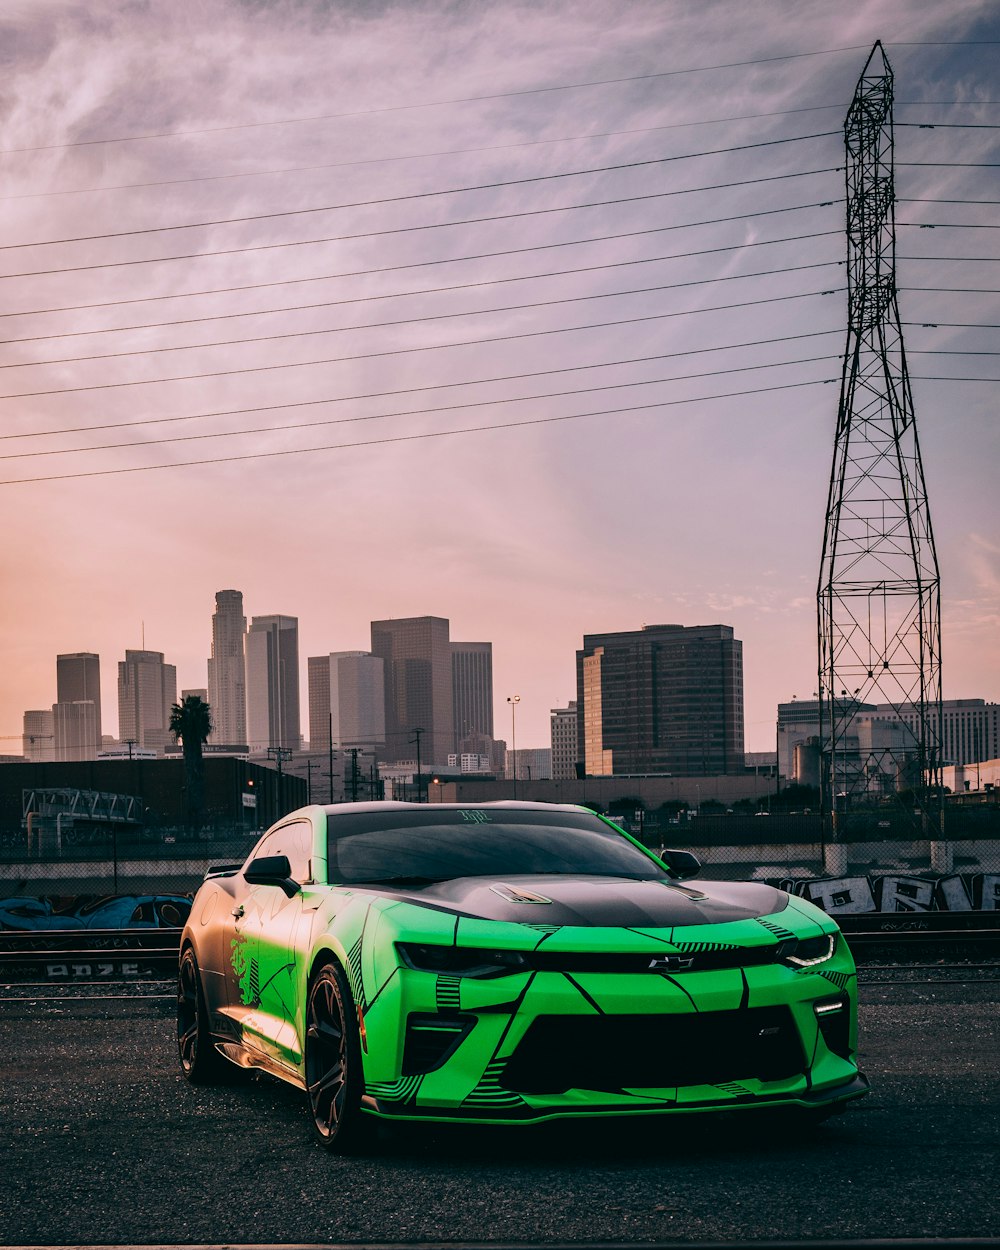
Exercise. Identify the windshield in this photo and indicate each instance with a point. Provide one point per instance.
(438, 844)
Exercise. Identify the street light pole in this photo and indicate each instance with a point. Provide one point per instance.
(513, 700)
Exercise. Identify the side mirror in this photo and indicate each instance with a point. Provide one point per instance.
(682, 864)
(272, 870)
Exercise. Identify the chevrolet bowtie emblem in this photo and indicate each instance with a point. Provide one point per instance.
(671, 963)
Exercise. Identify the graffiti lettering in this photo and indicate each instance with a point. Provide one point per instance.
(840, 895)
(896, 893)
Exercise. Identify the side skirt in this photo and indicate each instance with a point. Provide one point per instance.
(245, 1057)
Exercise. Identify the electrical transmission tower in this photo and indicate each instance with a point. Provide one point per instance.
(879, 588)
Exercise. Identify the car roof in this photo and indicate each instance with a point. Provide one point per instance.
(341, 809)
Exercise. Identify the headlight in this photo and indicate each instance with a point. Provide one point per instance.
(805, 952)
(461, 961)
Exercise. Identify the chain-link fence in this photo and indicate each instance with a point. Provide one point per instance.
(879, 863)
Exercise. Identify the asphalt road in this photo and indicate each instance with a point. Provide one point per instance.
(104, 1143)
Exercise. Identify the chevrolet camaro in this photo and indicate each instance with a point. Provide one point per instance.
(508, 963)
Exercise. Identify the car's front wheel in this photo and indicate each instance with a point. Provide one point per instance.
(201, 1063)
(334, 1077)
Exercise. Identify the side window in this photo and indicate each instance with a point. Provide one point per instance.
(295, 841)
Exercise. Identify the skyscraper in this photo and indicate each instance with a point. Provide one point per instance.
(74, 730)
(663, 699)
(147, 690)
(563, 723)
(227, 674)
(78, 680)
(416, 651)
(272, 677)
(38, 739)
(346, 701)
(472, 691)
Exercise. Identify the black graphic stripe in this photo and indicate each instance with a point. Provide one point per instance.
(678, 985)
(579, 988)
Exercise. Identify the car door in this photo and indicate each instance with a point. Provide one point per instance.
(269, 927)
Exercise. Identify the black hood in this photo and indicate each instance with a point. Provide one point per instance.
(599, 902)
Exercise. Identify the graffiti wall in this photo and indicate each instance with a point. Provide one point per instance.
(853, 895)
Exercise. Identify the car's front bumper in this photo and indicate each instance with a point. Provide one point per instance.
(541, 1045)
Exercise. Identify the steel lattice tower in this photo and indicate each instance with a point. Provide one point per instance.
(879, 586)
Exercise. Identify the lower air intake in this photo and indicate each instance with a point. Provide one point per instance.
(654, 1051)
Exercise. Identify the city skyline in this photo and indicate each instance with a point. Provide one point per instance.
(331, 279)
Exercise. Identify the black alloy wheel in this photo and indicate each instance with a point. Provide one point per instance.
(334, 1078)
(201, 1063)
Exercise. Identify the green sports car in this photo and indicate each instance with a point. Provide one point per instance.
(508, 963)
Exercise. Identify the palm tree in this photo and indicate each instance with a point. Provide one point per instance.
(191, 723)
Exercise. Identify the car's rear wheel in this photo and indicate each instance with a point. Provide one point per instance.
(334, 1076)
(201, 1063)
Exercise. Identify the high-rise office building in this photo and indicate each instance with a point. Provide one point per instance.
(418, 687)
(78, 680)
(74, 730)
(346, 701)
(663, 699)
(272, 675)
(563, 724)
(147, 690)
(529, 764)
(227, 674)
(472, 692)
(38, 736)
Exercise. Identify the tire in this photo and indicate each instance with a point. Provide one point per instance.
(201, 1063)
(333, 1070)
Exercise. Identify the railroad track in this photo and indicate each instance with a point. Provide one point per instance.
(935, 948)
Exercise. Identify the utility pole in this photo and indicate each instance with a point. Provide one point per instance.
(878, 598)
(309, 781)
(416, 739)
(280, 754)
(354, 774)
(331, 757)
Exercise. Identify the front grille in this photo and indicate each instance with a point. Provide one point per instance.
(612, 1052)
(695, 958)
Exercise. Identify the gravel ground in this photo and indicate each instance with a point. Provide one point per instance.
(106, 1144)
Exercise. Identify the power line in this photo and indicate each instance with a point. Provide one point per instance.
(104, 386)
(947, 125)
(409, 412)
(423, 264)
(413, 390)
(452, 260)
(461, 314)
(423, 195)
(444, 152)
(425, 435)
(419, 291)
(439, 290)
(415, 156)
(506, 95)
(947, 225)
(440, 225)
(405, 438)
(947, 165)
(379, 325)
(398, 108)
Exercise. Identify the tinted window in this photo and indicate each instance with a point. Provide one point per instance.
(437, 844)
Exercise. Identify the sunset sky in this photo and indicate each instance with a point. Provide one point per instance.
(526, 315)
